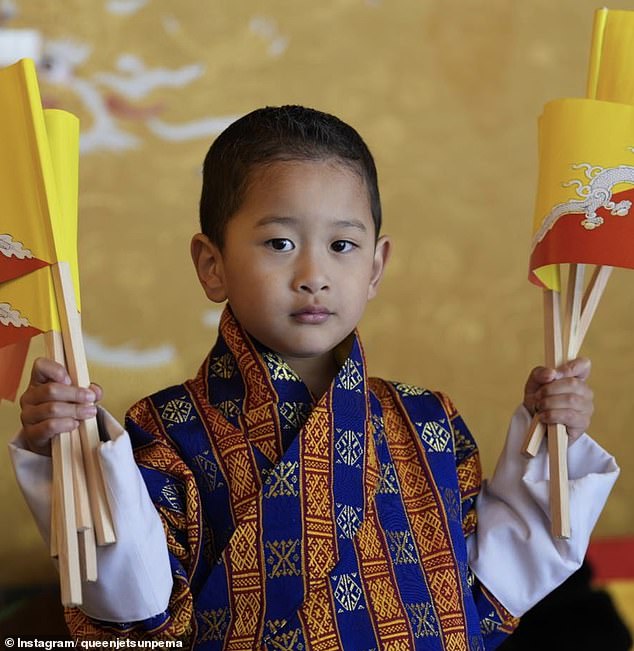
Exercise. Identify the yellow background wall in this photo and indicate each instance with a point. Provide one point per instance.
(445, 93)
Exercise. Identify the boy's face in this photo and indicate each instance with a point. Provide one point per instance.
(300, 260)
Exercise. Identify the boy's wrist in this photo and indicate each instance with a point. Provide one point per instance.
(22, 442)
(44, 451)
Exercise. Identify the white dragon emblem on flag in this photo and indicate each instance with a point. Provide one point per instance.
(595, 194)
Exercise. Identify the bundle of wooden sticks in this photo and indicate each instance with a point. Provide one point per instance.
(80, 515)
(564, 333)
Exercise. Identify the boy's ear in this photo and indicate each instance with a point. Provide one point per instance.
(208, 263)
(382, 252)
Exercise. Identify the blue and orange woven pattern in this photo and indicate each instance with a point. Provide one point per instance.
(295, 524)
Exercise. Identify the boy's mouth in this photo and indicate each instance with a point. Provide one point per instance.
(312, 314)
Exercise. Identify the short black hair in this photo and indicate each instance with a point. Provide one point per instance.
(266, 135)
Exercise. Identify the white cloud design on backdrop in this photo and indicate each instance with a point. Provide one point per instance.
(125, 7)
(126, 355)
(135, 81)
(130, 82)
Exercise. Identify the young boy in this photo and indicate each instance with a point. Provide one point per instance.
(305, 505)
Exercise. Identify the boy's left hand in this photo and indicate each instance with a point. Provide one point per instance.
(561, 396)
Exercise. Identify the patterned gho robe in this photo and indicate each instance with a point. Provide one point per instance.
(312, 526)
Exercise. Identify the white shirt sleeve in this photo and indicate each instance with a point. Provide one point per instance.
(135, 579)
(513, 552)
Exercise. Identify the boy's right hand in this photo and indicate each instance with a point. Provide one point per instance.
(52, 405)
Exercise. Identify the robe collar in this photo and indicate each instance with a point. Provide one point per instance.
(258, 392)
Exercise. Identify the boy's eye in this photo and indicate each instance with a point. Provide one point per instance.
(280, 244)
(342, 246)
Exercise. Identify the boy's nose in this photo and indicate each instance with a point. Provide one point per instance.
(310, 277)
(313, 287)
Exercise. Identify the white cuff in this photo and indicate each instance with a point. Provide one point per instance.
(135, 579)
(34, 473)
(513, 552)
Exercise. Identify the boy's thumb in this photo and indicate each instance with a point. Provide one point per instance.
(579, 368)
(543, 375)
(98, 391)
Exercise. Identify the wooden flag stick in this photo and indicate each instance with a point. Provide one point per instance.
(67, 549)
(557, 436)
(83, 518)
(84, 515)
(88, 554)
(591, 299)
(86, 537)
(56, 523)
(534, 437)
(589, 304)
(55, 351)
(572, 313)
(553, 347)
(552, 328)
(559, 493)
(63, 544)
(78, 371)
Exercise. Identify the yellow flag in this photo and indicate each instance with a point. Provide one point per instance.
(62, 129)
(27, 303)
(29, 207)
(27, 300)
(583, 211)
(610, 75)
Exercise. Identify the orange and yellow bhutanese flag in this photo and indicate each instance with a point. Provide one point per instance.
(585, 199)
(38, 215)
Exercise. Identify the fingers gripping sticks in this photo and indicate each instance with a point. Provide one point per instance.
(588, 307)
